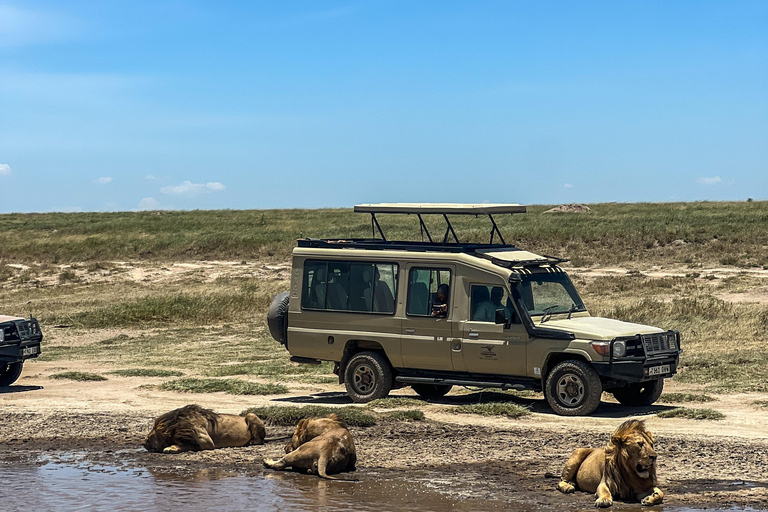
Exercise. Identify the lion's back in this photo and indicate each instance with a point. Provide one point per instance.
(591, 471)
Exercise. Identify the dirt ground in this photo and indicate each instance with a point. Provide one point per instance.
(701, 463)
(705, 464)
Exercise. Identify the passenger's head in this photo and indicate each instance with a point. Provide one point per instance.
(442, 294)
(497, 293)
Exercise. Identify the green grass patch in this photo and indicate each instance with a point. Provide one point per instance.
(394, 402)
(761, 403)
(230, 386)
(409, 415)
(677, 398)
(692, 414)
(81, 376)
(291, 415)
(146, 372)
(492, 409)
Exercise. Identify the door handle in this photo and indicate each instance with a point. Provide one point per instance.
(409, 330)
(474, 335)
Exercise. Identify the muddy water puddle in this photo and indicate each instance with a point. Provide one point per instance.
(70, 482)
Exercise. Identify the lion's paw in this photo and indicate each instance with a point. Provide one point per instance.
(172, 449)
(566, 487)
(270, 463)
(653, 499)
(603, 502)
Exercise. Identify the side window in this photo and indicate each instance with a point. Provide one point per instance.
(428, 291)
(486, 299)
(350, 286)
(313, 296)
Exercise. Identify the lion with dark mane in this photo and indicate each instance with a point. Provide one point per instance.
(625, 468)
(193, 428)
(319, 445)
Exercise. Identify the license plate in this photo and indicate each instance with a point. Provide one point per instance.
(658, 370)
(29, 351)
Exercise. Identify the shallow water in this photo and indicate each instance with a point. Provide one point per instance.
(71, 483)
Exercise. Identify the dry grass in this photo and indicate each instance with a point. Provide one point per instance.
(229, 386)
(291, 415)
(79, 376)
(692, 414)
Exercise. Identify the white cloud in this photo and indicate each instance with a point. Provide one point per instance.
(568, 185)
(714, 180)
(150, 177)
(148, 203)
(190, 189)
(103, 180)
(5, 169)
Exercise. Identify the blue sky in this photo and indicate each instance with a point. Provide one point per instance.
(200, 105)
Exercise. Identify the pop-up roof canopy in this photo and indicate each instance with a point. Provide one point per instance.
(443, 209)
(440, 208)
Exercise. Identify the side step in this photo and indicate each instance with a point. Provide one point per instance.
(305, 360)
(405, 379)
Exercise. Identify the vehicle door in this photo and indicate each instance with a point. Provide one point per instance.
(427, 332)
(489, 347)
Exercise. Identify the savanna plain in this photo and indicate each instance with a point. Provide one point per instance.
(143, 312)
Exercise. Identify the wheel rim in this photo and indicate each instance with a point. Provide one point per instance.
(570, 390)
(363, 379)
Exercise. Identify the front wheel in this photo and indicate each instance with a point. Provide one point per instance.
(368, 376)
(9, 373)
(431, 390)
(573, 388)
(640, 395)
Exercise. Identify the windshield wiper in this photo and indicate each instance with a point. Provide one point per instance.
(572, 309)
(547, 312)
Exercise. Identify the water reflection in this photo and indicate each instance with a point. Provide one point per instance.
(75, 484)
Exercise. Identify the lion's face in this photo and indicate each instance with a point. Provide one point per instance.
(156, 441)
(641, 457)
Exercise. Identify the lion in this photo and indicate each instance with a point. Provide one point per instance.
(319, 445)
(626, 468)
(193, 428)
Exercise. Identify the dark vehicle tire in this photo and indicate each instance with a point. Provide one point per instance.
(640, 395)
(368, 376)
(9, 373)
(573, 388)
(277, 317)
(431, 390)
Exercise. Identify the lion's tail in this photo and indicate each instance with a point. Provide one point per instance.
(322, 465)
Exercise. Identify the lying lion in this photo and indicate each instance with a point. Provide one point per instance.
(626, 468)
(192, 428)
(320, 445)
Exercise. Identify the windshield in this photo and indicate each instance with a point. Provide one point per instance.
(545, 294)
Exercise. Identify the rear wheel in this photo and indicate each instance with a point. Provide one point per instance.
(9, 373)
(368, 376)
(431, 390)
(573, 388)
(277, 317)
(639, 395)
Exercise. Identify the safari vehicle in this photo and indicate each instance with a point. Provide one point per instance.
(19, 340)
(433, 314)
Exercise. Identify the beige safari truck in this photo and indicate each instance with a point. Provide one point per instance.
(438, 313)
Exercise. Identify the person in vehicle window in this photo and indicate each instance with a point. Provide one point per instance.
(440, 306)
(486, 311)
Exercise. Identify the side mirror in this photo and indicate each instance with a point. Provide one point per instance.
(501, 317)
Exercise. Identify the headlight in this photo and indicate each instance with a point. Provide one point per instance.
(672, 340)
(2, 334)
(619, 348)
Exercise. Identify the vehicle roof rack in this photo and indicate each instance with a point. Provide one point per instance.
(443, 209)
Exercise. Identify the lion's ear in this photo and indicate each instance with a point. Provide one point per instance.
(618, 439)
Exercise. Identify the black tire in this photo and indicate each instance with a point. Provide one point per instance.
(368, 376)
(431, 390)
(640, 395)
(9, 373)
(573, 388)
(277, 317)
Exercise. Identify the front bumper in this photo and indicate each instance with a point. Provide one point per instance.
(635, 371)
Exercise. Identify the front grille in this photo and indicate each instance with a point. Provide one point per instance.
(659, 343)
